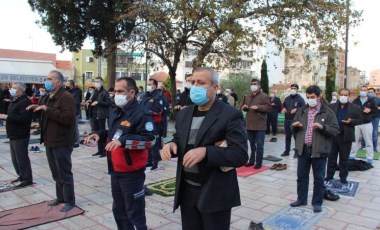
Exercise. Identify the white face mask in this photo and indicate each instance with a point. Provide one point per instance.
(334, 98)
(91, 91)
(13, 92)
(312, 102)
(254, 88)
(98, 85)
(272, 95)
(121, 100)
(343, 99)
(227, 93)
(188, 85)
(218, 91)
(42, 93)
(293, 92)
(149, 88)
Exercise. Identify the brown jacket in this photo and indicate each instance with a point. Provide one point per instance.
(256, 119)
(58, 121)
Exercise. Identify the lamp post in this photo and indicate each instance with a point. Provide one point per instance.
(346, 51)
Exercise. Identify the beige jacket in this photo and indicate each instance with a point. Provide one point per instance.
(256, 119)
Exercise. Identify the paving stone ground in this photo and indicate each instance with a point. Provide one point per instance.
(262, 194)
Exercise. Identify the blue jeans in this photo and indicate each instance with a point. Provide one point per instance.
(256, 140)
(129, 200)
(375, 124)
(303, 169)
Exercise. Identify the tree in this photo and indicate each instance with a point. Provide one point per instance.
(264, 77)
(240, 83)
(107, 23)
(330, 74)
(220, 30)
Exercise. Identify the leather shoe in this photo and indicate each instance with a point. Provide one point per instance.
(317, 208)
(274, 139)
(67, 207)
(17, 180)
(296, 203)
(249, 164)
(257, 166)
(24, 184)
(274, 166)
(285, 154)
(328, 195)
(96, 154)
(281, 167)
(54, 202)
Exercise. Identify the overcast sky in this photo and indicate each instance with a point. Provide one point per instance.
(18, 31)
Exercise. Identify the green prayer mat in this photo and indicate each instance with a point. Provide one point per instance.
(163, 188)
(363, 154)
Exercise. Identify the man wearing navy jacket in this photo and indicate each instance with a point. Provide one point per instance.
(129, 137)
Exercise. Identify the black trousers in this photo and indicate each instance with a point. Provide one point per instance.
(59, 159)
(100, 124)
(272, 121)
(192, 218)
(342, 149)
(20, 159)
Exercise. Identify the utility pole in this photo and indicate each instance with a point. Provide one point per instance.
(346, 51)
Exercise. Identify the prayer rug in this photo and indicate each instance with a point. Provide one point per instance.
(163, 188)
(6, 186)
(34, 215)
(361, 153)
(272, 158)
(348, 189)
(248, 171)
(289, 218)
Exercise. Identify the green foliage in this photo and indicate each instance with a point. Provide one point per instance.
(264, 77)
(240, 83)
(167, 84)
(330, 74)
(71, 22)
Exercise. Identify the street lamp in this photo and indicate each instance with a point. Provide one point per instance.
(147, 57)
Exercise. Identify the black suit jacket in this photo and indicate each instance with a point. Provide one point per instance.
(219, 190)
(353, 112)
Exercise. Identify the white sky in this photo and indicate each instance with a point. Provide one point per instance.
(19, 31)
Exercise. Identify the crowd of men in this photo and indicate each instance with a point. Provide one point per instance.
(210, 139)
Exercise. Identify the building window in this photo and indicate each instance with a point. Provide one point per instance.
(88, 75)
(90, 59)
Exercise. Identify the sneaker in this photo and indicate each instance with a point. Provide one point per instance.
(37, 149)
(285, 154)
(273, 139)
(369, 161)
(249, 164)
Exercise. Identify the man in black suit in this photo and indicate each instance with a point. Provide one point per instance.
(272, 116)
(210, 142)
(348, 116)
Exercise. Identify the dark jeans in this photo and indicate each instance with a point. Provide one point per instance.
(59, 159)
(100, 124)
(154, 152)
(272, 121)
(256, 140)
(20, 159)
(375, 124)
(303, 169)
(341, 149)
(193, 219)
(288, 134)
(129, 200)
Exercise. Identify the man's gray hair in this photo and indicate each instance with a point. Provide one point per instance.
(213, 73)
(59, 76)
(21, 86)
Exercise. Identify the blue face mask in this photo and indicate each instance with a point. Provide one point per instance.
(370, 95)
(49, 86)
(198, 95)
(363, 93)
